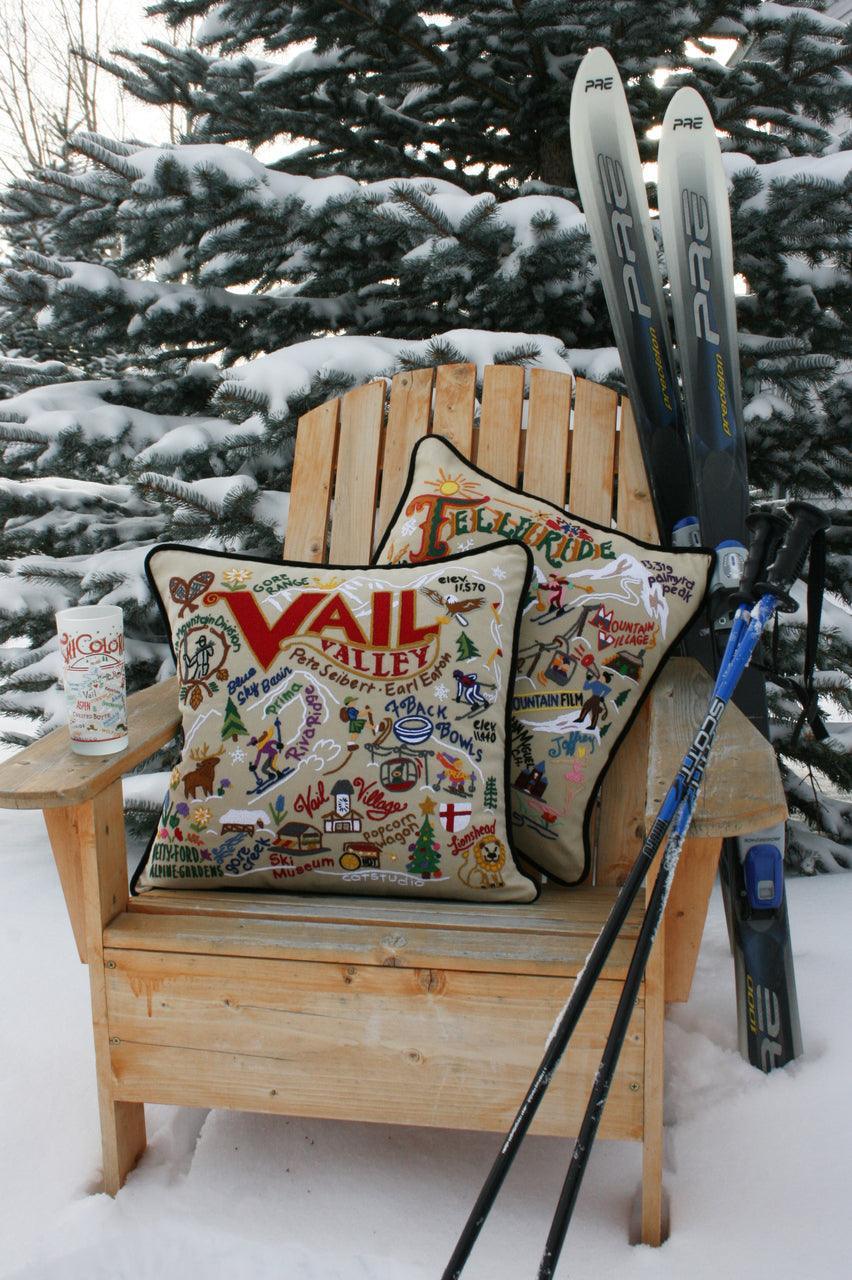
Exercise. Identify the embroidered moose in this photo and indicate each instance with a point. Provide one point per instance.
(201, 778)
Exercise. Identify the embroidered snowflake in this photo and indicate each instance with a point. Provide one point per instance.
(466, 544)
(237, 755)
(441, 692)
(409, 528)
(498, 572)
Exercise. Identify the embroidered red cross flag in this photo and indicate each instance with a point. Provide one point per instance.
(455, 816)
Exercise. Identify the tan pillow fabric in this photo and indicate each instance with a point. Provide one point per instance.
(345, 729)
(604, 612)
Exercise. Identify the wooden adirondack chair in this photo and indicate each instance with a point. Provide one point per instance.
(429, 1013)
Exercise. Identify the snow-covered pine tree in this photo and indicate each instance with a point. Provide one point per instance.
(414, 203)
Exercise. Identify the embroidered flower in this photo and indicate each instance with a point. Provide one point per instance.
(182, 809)
(237, 577)
(200, 818)
(174, 777)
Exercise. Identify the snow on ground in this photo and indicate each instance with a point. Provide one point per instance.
(757, 1167)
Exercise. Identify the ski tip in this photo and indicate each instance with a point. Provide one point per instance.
(687, 114)
(596, 74)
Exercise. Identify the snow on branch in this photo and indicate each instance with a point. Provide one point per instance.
(278, 380)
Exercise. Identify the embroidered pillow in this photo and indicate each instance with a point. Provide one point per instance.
(345, 729)
(604, 611)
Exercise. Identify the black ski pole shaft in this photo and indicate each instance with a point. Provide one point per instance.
(564, 1029)
(605, 1073)
(726, 682)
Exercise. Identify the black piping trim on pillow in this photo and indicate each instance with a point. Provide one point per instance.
(592, 524)
(360, 568)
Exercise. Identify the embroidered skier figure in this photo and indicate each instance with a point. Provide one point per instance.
(469, 690)
(265, 766)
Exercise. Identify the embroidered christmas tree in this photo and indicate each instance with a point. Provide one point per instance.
(425, 853)
(465, 648)
(233, 726)
(490, 797)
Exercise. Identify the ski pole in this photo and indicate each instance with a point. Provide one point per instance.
(786, 566)
(586, 979)
(583, 986)
(642, 950)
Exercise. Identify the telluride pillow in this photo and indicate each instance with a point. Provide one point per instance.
(344, 728)
(605, 610)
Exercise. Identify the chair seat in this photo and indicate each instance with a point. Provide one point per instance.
(551, 936)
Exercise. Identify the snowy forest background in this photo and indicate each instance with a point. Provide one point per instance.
(319, 193)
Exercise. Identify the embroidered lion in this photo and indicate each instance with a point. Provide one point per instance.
(489, 859)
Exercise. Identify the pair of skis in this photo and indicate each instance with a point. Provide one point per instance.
(696, 461)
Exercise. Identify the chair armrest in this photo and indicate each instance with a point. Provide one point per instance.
(49, 775)
(742, 790)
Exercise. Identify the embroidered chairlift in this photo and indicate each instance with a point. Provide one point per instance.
(399, 767)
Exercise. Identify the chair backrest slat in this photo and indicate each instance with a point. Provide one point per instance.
(548, 439)
(593, 452)
(500, 420)
(409, 412)
(357, 481)
(312, 484)
(634, 509)
(455, 400)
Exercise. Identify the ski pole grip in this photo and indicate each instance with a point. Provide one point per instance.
(808, 521)
(767, 529)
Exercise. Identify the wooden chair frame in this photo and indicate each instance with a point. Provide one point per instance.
(417, 1013)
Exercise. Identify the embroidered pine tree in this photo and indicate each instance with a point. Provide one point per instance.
(232, 726)
(490, 797)
(425, 854)
(465, 648)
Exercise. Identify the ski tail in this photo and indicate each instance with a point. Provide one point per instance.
(609, 179)
(696, 226)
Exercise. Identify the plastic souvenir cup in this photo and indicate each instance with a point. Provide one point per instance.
(91, 642)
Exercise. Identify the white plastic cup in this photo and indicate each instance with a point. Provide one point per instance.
(91, 642)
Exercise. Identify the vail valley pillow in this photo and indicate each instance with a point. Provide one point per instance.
(345, 729)
(605, 610)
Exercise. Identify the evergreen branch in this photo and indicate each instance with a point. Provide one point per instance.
(94, 149)
(435, 56)
(48, 266)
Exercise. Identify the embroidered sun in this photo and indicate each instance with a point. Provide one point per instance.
(453, 486)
